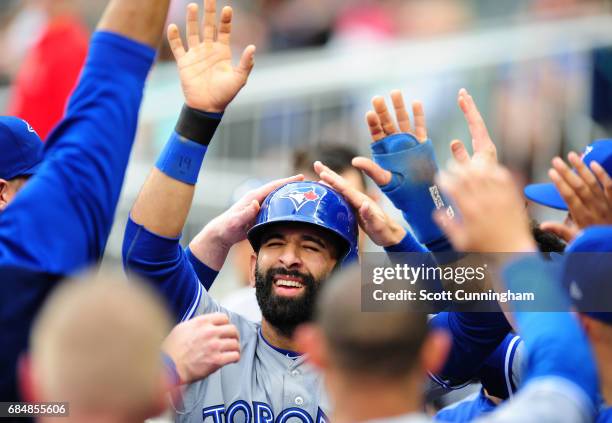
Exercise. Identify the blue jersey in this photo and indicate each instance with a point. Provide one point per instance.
(60, 221)
(172, 271)
(605, 415)
(467, 409)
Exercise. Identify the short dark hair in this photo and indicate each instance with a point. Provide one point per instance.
(337, 157)
(547, 242)
(383, 344)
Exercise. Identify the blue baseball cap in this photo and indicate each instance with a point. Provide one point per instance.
(546, 194)
(587, 270)
(21, 149)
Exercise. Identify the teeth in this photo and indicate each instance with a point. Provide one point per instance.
(293, 284)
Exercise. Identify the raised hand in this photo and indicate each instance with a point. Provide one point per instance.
(381, 229)
(484, 149)
(208, 79)
(381, 125)
(493, 217)
(212, 244)
(202, 345)
(587, 193)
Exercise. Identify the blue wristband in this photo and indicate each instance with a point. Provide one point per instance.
(181, 159)
(412, 188)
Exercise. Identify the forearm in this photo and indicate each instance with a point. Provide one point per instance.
(163, 204)
(209, 248)
(139, 20)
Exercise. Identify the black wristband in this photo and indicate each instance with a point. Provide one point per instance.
(196, 126)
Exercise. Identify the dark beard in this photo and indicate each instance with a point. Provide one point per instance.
(285, 314)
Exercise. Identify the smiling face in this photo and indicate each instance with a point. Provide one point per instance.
(291, 263)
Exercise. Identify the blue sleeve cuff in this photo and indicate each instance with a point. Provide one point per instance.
(109, 51)
(206, 275)
(408, 244)
(181, 159)
(171, 371)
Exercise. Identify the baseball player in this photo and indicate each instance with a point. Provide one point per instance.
(59, 221)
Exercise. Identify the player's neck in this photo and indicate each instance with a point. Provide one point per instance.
(275, 338)
(360, 399)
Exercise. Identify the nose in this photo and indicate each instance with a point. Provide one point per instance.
(290, 256)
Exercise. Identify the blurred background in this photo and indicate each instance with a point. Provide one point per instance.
(540, 71)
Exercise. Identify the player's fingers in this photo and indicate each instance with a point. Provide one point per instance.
(460, 153)
(459, 186)
(245, 216)
(260, 194)
(229, 344)
(210, 21)
(568, 194)
(584, 173)
(379, 175)
(403, 118)
(225, 26)
(193, 31)
(420, 126)
(212, 318)
(482, 142)
(228, 357)
(380, 107)
(573, 181)
(175, 42)
(226, 331)
(603, 178)
(354, 197)
(247, 61)
(376, 130)
(562, 230)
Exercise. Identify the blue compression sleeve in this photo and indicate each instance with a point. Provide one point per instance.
(60, 221)
(475, 335)
(555, 343)
(408, 244)
(162, 262)
(412, 188)
(206, 275)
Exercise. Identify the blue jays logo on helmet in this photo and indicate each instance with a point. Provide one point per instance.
(311, 203)
(301, 196)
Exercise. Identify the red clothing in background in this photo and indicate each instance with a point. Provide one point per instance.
(49, 73)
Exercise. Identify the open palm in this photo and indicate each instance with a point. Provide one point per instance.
(208, 79)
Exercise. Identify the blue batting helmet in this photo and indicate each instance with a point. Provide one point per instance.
(312, 203)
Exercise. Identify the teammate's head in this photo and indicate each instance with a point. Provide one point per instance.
(547, 194)
(587, 266)
(303, 232)
(21, 155)
(96, 345)
(356, 348)
(547, 242)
